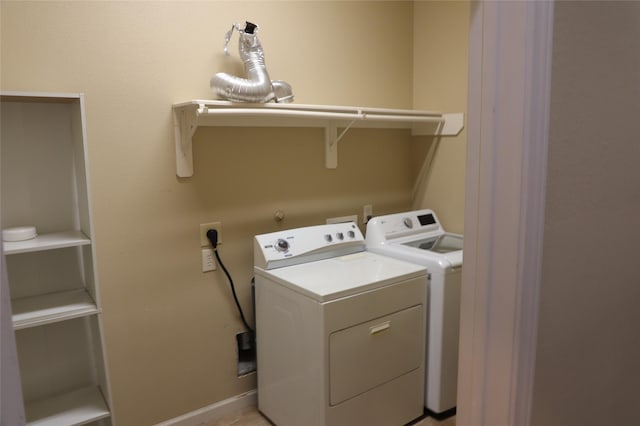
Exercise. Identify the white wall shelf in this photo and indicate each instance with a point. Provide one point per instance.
(188, 116)
(79, 407)
(48, 308)
(50, 241)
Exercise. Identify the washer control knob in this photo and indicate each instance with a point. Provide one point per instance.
(282, 245)
(408, 222)
(328, 238)
(340, 236)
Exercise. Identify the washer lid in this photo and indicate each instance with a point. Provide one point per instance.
(445, 243)
(330, 279)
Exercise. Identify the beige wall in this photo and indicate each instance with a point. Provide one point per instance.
(170, 329)
(587, 370)
(440, 45)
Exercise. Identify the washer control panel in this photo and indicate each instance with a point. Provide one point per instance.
(306, 244)
(401, 224)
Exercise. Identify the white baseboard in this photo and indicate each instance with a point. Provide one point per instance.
(214, 411)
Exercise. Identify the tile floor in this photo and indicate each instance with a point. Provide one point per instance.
(251, 417)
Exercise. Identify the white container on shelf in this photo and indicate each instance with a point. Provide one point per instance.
(19, 233)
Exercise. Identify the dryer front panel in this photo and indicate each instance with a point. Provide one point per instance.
(367, 355)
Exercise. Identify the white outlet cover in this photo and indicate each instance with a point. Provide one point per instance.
(208, 261)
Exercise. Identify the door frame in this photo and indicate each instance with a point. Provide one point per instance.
(510, 46)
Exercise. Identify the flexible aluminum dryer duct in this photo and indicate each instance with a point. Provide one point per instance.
(257, 87)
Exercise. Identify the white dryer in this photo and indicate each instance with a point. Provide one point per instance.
(418, 237)
(339, 330)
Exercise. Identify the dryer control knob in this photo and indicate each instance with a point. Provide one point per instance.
(408, 222)
(282, 245)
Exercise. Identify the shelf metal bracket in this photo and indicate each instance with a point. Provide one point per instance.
(331, 139)
(185, 124)
(331, 147)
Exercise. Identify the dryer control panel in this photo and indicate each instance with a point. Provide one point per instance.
(301, 245)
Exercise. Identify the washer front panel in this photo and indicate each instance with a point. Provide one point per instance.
(417, 237)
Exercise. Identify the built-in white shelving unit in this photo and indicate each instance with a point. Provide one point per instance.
(188, 116)
(54, 296)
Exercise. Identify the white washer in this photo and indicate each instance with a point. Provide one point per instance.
(340, 331)
(418, 237)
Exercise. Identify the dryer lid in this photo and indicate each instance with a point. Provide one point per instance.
(329, 279)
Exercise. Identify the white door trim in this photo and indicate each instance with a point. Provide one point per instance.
(509, 81)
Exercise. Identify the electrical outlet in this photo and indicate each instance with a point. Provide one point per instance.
(208, 262)
(367, 213)
(204, 227)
